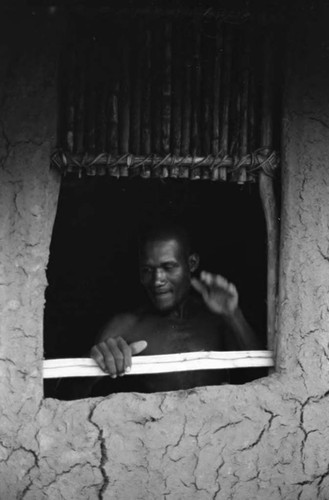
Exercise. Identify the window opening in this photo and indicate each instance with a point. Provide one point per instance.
(93, 266)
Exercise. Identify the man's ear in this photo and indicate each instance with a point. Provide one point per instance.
(193, 262)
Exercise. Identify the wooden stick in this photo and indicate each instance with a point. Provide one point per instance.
(176, 122)
(102, 160)
(266, 186)
(234, 121)
(226, 86)
(216, 88)
(267, 194)
(195, 136)
(70, 99)
(124, 96)
(251, 115)
(136, 78)
(165, 363)
(102, 96)
(90, 101)
(267, 94)
(244, 90)
(79, 103)
(206, 91)
(112, 139)
(62, 98)
(146, 99)
(186, 114)
(166, 90)
(156, 88)
(226, 83)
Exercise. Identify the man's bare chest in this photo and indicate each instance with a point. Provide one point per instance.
(173, 335)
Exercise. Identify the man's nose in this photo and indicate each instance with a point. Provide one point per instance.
(159, 277)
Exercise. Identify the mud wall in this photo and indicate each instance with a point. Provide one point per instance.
(266, 440)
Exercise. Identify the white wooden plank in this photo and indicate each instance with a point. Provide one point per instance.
(211, 360)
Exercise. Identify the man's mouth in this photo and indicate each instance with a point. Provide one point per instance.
(162, 299)
(161, 292)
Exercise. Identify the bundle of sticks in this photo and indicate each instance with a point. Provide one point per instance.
(189, 88)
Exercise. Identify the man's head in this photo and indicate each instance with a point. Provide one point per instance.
(166, 264)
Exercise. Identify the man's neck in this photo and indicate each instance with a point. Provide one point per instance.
(182, 310)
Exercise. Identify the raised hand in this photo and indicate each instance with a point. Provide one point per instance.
(113, 355)
(219, 295)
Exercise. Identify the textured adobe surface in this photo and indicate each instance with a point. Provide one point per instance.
(267, 440)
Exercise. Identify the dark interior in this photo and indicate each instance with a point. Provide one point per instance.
(93, 264)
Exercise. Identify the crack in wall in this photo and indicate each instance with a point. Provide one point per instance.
(4, 158)
(303, 405)
(10, 146)
(103, 451)
(225, 426)
(172, 446)
(27, 473)
(320, 121)
(316, 480)
(65, 472)
(323, 255)
(145, 421)
(254, 443)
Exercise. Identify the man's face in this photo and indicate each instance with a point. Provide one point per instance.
(165, 273)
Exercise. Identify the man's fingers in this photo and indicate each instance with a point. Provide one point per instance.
(216, 279)
(96, 354)
(126, 350)
(109, 356)
(114, 355)
(117, 353)
(110, 364)
(232, 289)
(206, 278)
(137, 347)
(198, 285)
(221, 282)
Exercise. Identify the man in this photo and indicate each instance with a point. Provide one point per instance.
(183, 314)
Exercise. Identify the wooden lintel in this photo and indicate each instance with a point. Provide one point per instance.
(267, 194)
(212, 360)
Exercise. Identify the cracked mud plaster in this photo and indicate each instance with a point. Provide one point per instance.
(28, 194)
(205, 443)
(267, 440)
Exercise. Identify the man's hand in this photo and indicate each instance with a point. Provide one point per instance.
(220, 296)
(113, 355)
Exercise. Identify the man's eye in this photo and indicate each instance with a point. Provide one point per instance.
(169, 267)
(146, 270)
